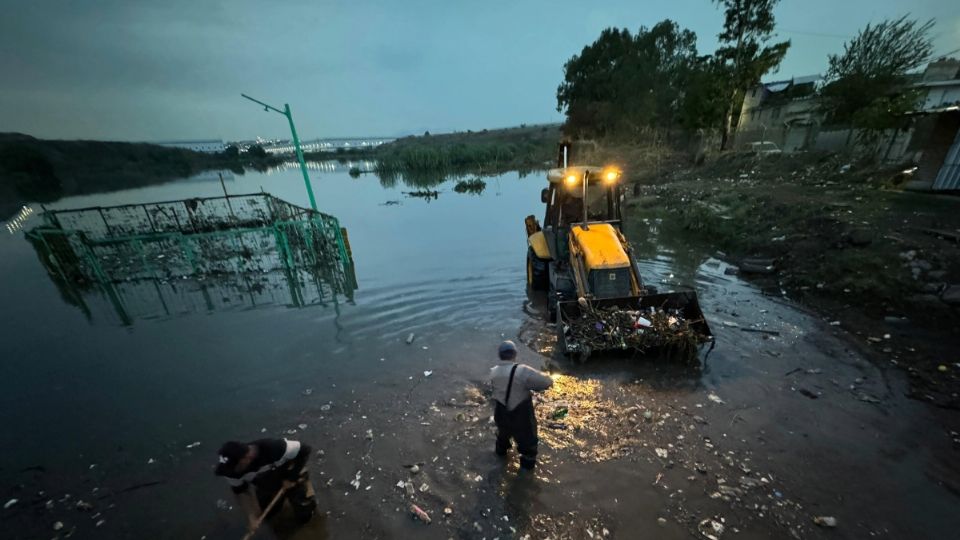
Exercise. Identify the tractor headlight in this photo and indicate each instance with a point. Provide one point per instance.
(611, 175)
(571, 180)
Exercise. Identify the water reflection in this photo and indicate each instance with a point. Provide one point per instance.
(154, 260)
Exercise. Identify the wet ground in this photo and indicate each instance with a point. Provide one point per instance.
(777, 428)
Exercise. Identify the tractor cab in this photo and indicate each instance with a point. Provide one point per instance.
(578, 196)
(582, 218)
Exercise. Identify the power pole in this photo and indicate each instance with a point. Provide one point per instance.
(296, 144)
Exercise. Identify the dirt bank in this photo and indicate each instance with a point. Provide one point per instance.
(836, 235)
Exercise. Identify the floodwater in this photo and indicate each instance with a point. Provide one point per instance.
(775, 430)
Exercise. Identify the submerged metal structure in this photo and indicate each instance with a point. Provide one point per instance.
(163, 259)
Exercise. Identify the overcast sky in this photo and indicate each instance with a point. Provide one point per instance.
(174, 69)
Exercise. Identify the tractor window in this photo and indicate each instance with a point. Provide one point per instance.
(571, 210)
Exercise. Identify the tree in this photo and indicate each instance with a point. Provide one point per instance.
(231, 152)
(866, 85)
(256, 151)
(704, 99)
(622, 83)
(746, 50)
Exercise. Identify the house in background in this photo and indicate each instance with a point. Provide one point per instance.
(936, 127)
(781, 112)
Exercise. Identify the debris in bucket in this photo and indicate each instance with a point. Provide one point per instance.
(420, 514)
(607, 328)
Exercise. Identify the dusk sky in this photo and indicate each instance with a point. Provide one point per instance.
(134, 70)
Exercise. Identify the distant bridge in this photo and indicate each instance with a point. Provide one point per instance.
(326, 145)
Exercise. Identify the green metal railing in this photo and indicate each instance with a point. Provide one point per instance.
(243, 240)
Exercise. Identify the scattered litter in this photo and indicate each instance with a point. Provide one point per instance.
(808, 393)
(662, 452)
(447, 511)
(302, 426)
(151, 461)
(58, 525)
(414, 469)
(100, 523)
(715, 398)
(834, 323)
(420, 514)
(825, 521)
(84, 506)
(559, 413)
(711, 529)
(193, 445)
(369, 435)
(307, 392)
(410, 338)
(427, 373)
(325, 407)
(425, 347)
(356, 481)
(424, 488)
(10, 503)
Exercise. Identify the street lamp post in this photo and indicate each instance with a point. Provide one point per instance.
(296, 144)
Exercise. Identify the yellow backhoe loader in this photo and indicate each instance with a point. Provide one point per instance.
(596, 295)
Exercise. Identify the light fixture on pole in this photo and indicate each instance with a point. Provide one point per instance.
(296, 144)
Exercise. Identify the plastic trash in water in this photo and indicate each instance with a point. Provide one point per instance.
(420, 514)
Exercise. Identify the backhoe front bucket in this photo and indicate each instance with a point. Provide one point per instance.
(654, 324)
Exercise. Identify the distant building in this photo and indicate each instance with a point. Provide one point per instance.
(936, 127)
(779, 107)
(941, 83)
(210, 146)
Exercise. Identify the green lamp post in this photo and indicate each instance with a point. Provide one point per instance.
(296, 144)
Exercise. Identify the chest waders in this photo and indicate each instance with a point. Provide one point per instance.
(518, 424)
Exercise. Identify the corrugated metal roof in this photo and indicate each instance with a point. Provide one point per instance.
(949, 176)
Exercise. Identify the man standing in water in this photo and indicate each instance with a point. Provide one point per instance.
(513, 385)
(270, 465)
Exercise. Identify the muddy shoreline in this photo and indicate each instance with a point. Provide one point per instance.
(776, 429)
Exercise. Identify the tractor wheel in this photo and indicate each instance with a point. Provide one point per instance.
(537, 274)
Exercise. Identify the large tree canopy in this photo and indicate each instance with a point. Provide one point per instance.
(866, 85)
(746, 49)
(622, 83)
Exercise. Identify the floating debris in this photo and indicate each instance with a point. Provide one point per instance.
(825, 521)
(420, 514)
(356, 481)
(193, 445)
(710, 528)
(475, 186)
